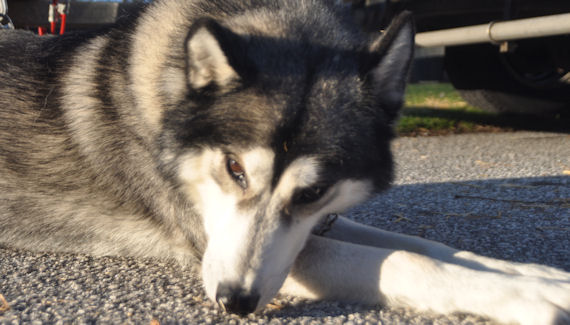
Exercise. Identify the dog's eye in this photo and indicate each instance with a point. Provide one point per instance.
(309, 195)
(237, 172)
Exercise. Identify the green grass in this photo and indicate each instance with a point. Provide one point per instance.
(441, 94)
(437, 108)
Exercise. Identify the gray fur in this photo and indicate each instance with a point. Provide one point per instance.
(93, 125)
(69, 183)
(221, 137)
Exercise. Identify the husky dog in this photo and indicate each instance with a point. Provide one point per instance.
(225, 133)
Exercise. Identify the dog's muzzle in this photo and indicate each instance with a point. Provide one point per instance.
(236, 300)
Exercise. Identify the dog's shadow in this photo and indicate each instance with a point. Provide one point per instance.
(519, 219)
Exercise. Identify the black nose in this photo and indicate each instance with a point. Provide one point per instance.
(234, 299)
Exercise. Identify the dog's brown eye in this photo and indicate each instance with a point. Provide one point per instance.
(236, 168)
(309, 195)
(237, 172)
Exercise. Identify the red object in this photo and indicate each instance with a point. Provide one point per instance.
(57, 13)
(62, 24)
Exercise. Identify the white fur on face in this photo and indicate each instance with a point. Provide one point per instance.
(249, 243)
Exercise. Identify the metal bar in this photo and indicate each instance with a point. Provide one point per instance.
(495, 32)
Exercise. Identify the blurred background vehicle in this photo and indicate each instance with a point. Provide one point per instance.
(526, 73)
(523, 74)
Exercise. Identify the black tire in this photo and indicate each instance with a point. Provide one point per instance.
(520, 82)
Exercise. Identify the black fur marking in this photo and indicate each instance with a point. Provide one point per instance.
(301, 120)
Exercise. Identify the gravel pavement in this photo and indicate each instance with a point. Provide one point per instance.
(504, 195)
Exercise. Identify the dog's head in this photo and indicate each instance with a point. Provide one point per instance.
(278, 126)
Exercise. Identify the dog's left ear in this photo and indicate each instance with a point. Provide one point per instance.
(215, 55)
(391, 55)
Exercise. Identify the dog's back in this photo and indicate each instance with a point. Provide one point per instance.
(36, 151)
(57, 193)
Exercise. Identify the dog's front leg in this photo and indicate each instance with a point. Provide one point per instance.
(347, 230)
(332, 269)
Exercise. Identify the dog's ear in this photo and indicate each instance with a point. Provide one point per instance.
(389, 61)
(209, 58)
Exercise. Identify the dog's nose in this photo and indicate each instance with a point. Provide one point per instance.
(234, 299)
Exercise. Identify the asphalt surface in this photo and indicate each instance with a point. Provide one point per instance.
(501, 195)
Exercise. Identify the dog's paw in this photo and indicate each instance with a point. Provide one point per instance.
(542, 271)
(536, 270)
(549, 316)
(539, 302)
(507, 267)
(537, 312)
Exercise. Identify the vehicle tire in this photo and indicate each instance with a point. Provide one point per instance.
(521, 82)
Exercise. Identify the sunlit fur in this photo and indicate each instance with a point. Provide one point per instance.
(117, 142)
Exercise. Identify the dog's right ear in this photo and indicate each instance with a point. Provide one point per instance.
(209, 58)
(388, 63)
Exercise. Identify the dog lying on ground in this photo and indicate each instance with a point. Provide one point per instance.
(228, 133)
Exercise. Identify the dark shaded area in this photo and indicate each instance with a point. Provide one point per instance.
(492, 122)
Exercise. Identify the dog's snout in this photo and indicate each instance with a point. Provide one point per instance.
(234, 299)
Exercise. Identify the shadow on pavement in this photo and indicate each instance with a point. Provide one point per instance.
(518, 219)
(559, 123)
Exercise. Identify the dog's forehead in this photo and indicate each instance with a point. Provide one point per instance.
(335, 122)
